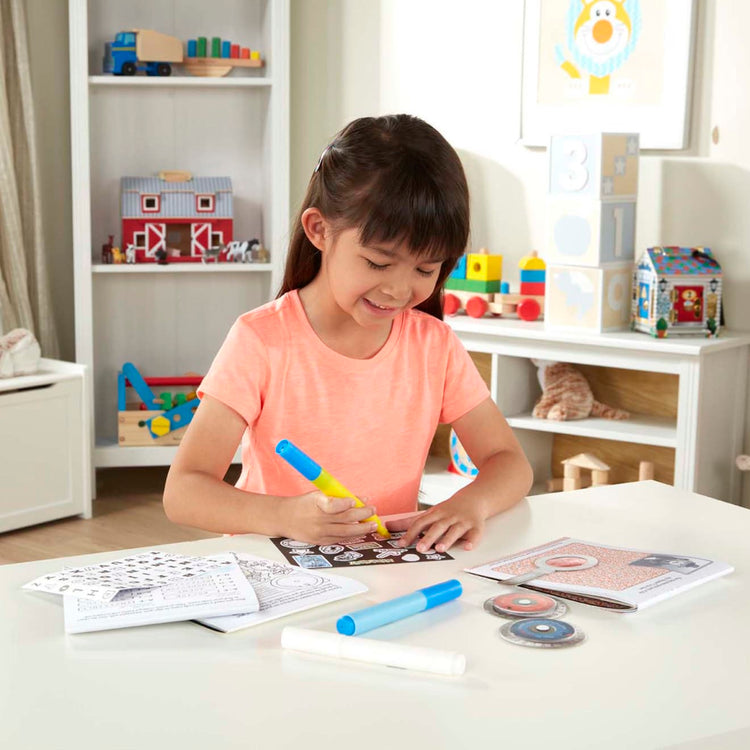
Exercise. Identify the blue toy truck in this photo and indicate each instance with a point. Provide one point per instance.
(142, 49)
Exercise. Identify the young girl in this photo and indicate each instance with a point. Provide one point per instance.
(352, 362)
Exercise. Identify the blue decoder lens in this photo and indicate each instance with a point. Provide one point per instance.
(397, 609)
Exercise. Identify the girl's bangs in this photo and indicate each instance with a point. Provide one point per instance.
(422, 220)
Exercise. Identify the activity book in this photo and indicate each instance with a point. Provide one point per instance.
(620, 579)
(225, 592)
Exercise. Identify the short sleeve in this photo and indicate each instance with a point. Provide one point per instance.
(238, 376)
(464, 386)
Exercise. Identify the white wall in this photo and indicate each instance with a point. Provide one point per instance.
(458, 65)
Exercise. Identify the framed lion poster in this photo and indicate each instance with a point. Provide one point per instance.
(608, 65)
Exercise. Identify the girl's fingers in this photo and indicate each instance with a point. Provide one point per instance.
(402, 523)
(414, 530)
(471, 537)
(451, 536)
(432, 535)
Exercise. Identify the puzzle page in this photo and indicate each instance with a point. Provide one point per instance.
(102, 582)
(362, 550)
(223, 591)
(281, 590)
(621, 575)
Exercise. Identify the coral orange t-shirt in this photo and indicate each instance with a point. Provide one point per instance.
(368, 422)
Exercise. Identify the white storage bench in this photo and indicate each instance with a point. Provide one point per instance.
(45, 453)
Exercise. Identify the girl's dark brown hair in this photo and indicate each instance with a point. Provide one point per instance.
(396, 179)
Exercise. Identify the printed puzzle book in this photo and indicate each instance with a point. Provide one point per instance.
(615, 578)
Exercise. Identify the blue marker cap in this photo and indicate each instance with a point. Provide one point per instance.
(299, 460)
(396, 609)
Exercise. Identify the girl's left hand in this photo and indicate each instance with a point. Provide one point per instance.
(445, 524)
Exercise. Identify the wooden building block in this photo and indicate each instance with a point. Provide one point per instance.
(484, 267)
(600, 166)
(588, 299)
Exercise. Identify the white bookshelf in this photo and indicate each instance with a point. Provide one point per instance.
(171, 319)
(706, 434)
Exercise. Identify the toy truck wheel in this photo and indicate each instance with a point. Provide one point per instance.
(451, 304)
(476, 307)
(528, 310)
(128, 69)
(164, 69)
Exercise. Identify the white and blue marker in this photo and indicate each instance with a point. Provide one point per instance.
(396, 609)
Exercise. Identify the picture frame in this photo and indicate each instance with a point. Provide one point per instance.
(608, 65)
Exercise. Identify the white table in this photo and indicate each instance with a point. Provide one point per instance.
(676, 673)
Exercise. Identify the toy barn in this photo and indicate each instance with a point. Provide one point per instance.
(677, 290)
(177, 221)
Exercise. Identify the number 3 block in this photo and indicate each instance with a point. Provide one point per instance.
(601, 166)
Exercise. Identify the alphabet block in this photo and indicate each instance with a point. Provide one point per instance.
(588, 299)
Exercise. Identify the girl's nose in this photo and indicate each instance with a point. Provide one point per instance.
(398, 288)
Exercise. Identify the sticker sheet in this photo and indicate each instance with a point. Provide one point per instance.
(102, 582)
(362, 550)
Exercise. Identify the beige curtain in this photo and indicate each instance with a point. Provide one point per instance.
(24, 288)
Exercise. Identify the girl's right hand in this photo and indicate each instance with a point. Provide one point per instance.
(320, 519)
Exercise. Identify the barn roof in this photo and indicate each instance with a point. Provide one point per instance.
(177, 198)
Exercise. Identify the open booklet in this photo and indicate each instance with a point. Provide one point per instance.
(226, 592)
(613, 578)
(281, 590)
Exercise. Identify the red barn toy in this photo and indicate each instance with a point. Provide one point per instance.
(176, 219)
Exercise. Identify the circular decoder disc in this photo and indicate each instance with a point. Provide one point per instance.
(542, 633)
(524, 604)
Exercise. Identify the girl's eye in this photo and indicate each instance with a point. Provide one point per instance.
(422, 272)
(375, 266)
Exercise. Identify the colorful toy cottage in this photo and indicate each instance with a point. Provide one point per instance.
(175, 221)
(677, 290)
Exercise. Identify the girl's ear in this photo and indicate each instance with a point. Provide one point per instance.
(315, 226)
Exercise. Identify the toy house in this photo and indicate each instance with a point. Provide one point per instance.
(677, 290)
(179, 221)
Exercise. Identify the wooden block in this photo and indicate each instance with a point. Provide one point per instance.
(570, 483)
(623, 458)
(571, 472)
(590, 299)
(484, 267)
(599, 478)
(645, 470)
(554, 485)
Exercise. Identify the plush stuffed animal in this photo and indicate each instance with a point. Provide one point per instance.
(566, 394)
(19, 353)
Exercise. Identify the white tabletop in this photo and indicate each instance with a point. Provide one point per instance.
(676, 673)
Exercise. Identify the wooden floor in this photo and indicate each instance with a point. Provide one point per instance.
(127, 513)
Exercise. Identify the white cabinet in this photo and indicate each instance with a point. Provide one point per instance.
(169, 320)
(706, 434)
(45, 454)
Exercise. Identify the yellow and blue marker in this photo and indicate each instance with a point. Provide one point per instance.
(322, 479)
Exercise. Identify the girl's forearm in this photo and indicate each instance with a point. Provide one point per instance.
(504, 479)
(205, 502)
